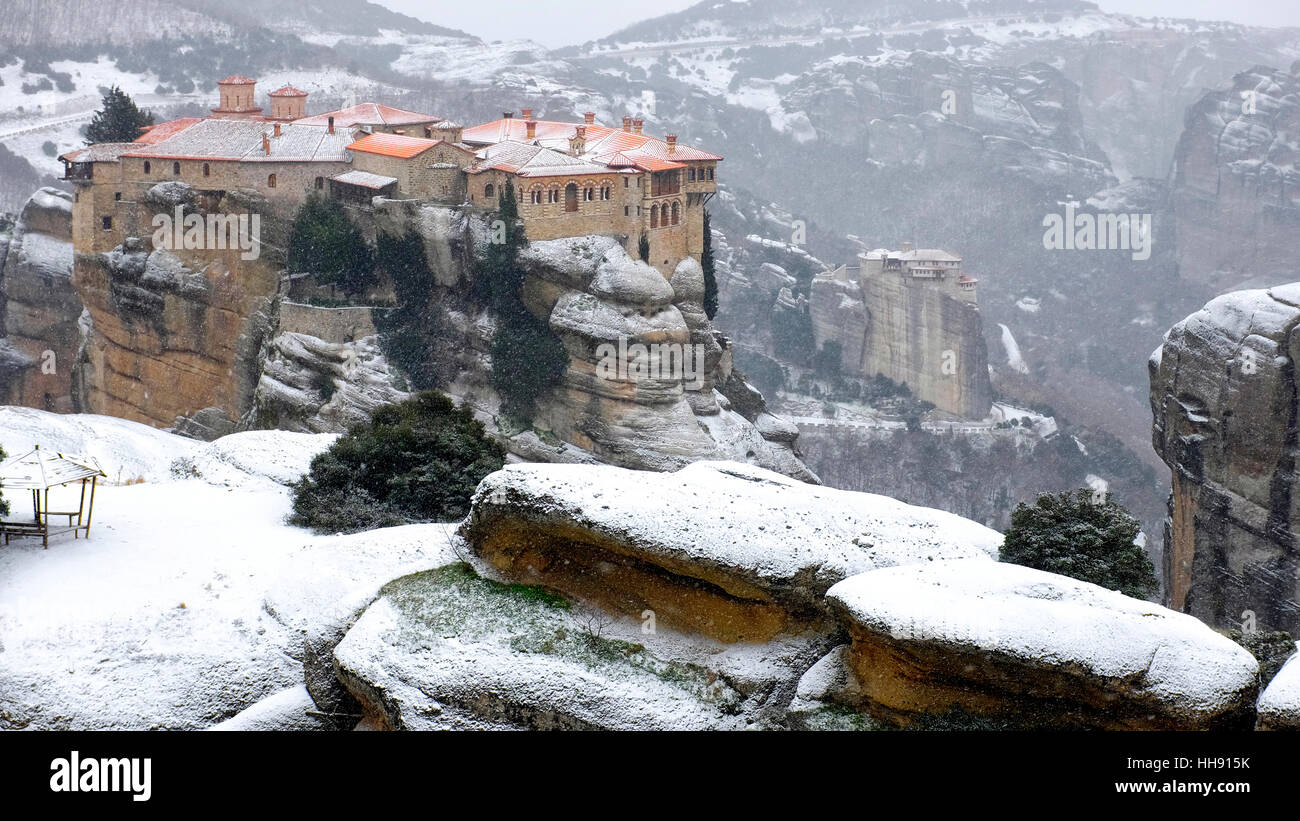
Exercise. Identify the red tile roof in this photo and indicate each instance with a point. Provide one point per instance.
(155, 134)
(236, 80)
(392, 145)
(287, 91)
(610, 146)
(369, 114)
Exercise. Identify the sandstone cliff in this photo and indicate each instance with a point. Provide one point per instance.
(40, 311)
(1224, 398)
(911, 334)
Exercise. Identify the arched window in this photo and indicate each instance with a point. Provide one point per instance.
(489, 191)
(654, 216)
(605, 192)
(537, 196)
(207, 170)
(146, 166)
(176, 169)
(571, 197)
(553, 196)
(270, 181)
(320, 183)
(676, 213)
(587, 195)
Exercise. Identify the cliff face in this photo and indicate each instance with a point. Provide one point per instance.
(39, 309)
(178, 333)
(910, 333)
(1224, 399)
(1235, 181)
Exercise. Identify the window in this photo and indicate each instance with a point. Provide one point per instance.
(176, 169)
(489, 191)
(207, 171)
(604, 193)
(654, 216)
(117, 196)
(537, 196)
(146, 166)
(571, 197)
(625, 182)
(692, 175)
(710, 173)
(553, 196)
(270, 181)
(627, 210)
(320, 183)
(676, 213)
(588, 195)
(106, 223)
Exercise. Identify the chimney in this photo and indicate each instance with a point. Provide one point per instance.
(531, 126)
(330, 128)
(637, 124)
(266, 144)
(278, 133)
(507, 115)
(589, 117)
(907, 246)
(627, 123)
(672, 143)
(527, 113)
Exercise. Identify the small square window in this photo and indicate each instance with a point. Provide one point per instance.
(117, 196)
(107, 223)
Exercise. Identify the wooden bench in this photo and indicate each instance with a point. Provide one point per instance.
(21, 529)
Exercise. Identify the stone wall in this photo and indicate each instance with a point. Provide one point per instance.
(334, 325)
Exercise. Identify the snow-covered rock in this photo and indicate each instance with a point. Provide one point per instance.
(276, 456)
(449, 649)
(289, 709)
(1279, 704)
(1011, 642)
(722, 548)
(126, 451)
(326, 584)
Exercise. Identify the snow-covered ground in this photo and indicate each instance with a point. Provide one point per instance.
(159, 618)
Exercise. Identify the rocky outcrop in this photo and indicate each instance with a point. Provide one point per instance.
(1224, 401)
(1279, 704)
(40, 333)
(179, 332)
(1235, 180)
(911, 333)
(732, 551)
(1009, 643)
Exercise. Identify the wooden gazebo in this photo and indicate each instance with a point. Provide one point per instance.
(38, 471)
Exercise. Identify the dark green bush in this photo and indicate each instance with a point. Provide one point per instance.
(415, 461)
(1083, 537)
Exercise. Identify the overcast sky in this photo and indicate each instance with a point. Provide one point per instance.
(556, 23)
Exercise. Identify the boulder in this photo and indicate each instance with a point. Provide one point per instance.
(726, 549)
(1010, 643)
(1279, 704)
(452, 649)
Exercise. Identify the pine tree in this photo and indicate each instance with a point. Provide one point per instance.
(710, 278)
(1082, 537)
(643, 248)
(528, 359)
(325, 243)
(119, 121)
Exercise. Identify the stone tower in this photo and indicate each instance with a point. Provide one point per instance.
(288, 103)
(237, 99)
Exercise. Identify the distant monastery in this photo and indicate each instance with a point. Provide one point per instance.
(571, 179)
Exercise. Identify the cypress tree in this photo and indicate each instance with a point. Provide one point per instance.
(643, 248)
(119, 121)
(4, 506)
(710, 278)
